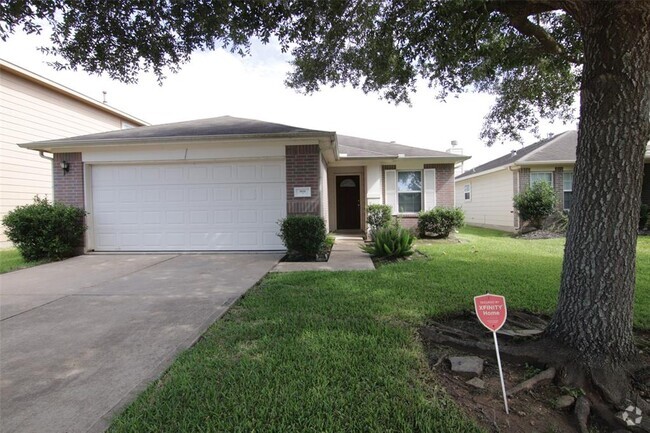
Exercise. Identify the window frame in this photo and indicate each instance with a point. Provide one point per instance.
(467, 192)
(564, 190)
(530, 180)
(398, 192)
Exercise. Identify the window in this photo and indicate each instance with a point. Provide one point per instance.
(467, 189)
(568, 189)
(409, 191)
(541, 176)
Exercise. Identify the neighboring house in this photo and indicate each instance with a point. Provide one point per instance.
(223, 183)
(485, 193)
(34, 108)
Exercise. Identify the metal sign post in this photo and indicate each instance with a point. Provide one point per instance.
(492, 313)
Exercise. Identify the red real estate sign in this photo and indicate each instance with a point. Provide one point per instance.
(491, 311)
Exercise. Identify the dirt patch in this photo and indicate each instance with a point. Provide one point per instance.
(531, 411)
(540, 234)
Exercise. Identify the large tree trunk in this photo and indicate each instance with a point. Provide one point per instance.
(594, 314)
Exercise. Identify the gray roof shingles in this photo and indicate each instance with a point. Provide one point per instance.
(355, 147)
(561, 147)
(213, 127)
(226, 126)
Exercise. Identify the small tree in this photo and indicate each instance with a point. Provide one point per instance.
(535, 203)
(43, 230)
(379, 215)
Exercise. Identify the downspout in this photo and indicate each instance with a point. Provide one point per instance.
(40, 153)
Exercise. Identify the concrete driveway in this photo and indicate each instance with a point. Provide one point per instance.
(81, 338)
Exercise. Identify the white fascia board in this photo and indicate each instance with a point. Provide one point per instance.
(481, 173)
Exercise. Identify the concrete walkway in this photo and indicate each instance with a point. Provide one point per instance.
(345, 256)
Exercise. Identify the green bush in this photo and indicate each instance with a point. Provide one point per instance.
(43, 230)
(390, 242)
(440, 221)
(304, 236)
(536, 203)
(379, 215)
(644, 216)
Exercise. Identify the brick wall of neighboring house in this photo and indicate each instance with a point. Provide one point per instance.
(558, 186)
(645, 194)
(445, 190)
(69, 186)
(524, 179)
(303, 170)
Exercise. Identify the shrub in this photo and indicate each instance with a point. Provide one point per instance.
(303, 235)
(558, 222)
(536, 203)
(379, 215)
(440, 221)
(43, 230)
(644, 216)
(390, 242)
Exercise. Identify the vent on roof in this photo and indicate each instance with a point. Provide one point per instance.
(513, 152)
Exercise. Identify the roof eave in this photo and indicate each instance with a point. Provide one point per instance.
(397, 157)
(145, 141)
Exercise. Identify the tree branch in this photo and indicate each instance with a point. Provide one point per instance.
(518, 13)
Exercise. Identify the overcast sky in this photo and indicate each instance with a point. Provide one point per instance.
(220, 83)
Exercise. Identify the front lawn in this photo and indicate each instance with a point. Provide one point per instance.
(11, 260)
(338, 352)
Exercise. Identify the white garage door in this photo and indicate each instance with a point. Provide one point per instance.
(188, 206)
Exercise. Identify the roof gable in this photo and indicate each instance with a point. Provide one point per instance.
(355, 147)
(560, 147)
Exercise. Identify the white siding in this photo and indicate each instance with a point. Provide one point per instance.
(324, 196)
(31, 112)
(490, 204)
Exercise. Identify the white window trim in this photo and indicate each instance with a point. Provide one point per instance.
(397, 191)
(530, 180)
(467, 190)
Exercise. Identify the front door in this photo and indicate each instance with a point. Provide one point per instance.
(348, 203)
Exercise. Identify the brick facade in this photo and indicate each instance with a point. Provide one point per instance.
(303, 170)
(69, 186)
(445, 190)
(558, 187)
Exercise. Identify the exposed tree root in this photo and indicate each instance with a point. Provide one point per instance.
(526, 385)
(607, 385)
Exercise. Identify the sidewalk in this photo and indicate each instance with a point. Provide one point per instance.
(345, 256)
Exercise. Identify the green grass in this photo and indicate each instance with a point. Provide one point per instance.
(338, 352)
(11, 260)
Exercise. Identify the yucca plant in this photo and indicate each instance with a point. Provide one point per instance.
(390, 243)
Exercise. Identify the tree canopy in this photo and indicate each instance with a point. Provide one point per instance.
(532, 66)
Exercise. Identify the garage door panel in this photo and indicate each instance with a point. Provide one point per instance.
(188, 206)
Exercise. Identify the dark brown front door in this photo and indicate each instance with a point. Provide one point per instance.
(348, 203)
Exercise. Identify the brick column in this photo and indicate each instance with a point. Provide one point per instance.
(444, 184)
(69, 186)
(524, 179)
(303, 170)
(558, 186)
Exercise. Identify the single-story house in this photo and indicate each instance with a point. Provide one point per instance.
(34, 108)
(485, 193)
(223, 183)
